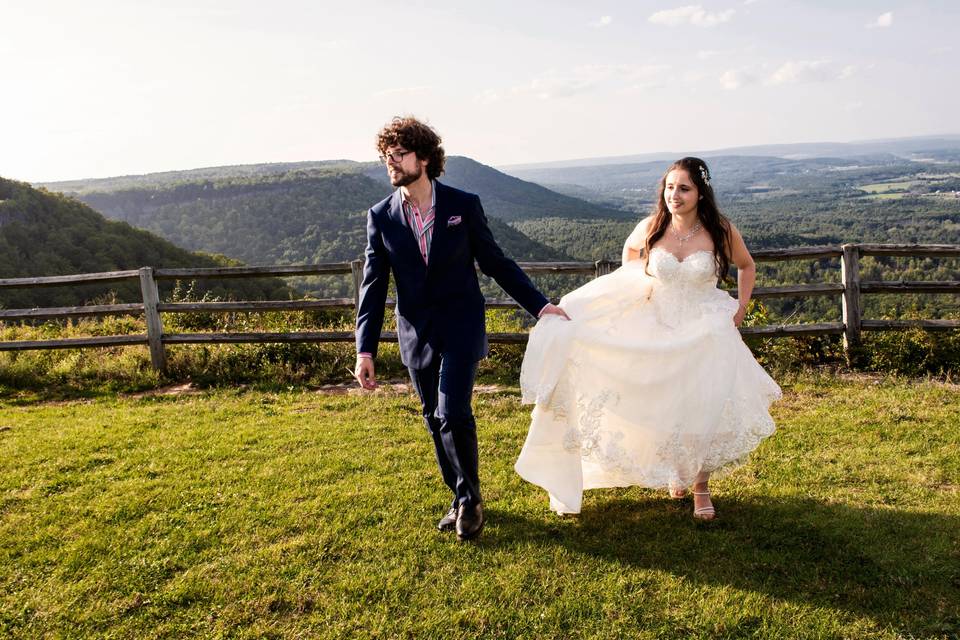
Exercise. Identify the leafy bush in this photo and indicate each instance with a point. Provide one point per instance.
(913, 352)
(790, 353)
(72, 372)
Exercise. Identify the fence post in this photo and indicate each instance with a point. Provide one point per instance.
(356, 270)
(151, 298)
(603, 267)
(850, 272)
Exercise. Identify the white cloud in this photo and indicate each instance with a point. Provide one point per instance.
(749, 2)
(731, 80)
(847, 72)
(400, 91)
(693, 14)
(853, 106)
(705, 54)
(560, 85)
(586, 78)
(800, 71)
(794, 72)
(488, 96)
(882, 21)
(643, 78)
(604, 21)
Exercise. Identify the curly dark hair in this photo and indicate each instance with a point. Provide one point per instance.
(413, 135)
(709, 214)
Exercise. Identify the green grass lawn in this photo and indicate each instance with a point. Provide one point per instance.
(887, 190)
(299, 514)
(882, 187)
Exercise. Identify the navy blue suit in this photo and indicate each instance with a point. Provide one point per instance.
(440, 315)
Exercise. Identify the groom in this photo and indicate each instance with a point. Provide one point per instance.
(430, 235)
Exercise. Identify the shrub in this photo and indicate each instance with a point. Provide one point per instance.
(913, 352)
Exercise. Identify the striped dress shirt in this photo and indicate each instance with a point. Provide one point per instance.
(421, 222)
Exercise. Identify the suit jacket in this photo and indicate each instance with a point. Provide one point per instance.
(439, 305)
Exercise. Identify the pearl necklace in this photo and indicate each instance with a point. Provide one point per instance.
(682, 239)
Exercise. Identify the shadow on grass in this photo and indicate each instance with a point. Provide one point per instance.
(22, 396)
(899, 568)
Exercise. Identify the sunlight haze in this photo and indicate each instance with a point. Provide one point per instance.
(104, 88)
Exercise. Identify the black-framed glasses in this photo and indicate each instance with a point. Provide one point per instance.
(394, 156)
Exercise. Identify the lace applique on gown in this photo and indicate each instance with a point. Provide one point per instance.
(648, 385)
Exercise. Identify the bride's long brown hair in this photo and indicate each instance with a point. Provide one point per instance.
(715, 223)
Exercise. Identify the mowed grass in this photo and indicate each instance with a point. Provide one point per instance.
(299, 514)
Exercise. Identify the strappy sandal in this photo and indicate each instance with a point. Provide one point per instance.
(678, 493)
(704, 513)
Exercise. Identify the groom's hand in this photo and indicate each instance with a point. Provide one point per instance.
(365, 373)
(554, 310)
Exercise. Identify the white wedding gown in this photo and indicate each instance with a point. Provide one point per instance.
(649, 383)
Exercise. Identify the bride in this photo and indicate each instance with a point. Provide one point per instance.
(650, 383)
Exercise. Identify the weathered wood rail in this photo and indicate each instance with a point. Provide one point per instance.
(850, 287)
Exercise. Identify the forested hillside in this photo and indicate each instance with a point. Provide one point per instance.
(512, 199)
(309, 213)
(287, 218)
(314, 212)
(44, 233)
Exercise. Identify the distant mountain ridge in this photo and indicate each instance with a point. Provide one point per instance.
(186, 176)
(904, 147)
(632, 186)
(314, 212)
(307, 212)
(513, 199)
(504, 196)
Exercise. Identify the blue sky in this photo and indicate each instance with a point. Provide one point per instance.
(110, 87)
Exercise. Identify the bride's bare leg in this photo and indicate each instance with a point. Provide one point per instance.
(702, 506)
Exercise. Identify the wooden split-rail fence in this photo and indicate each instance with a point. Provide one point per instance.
(850, 287)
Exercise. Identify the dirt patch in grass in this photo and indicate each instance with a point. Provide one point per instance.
(183, 389)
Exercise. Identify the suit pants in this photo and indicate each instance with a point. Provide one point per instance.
(445, 388)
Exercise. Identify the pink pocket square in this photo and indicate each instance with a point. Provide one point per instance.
(453, 221)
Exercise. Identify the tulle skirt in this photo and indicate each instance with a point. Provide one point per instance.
(647, 385)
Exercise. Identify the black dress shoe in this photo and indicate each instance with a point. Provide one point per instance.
(449, 521)
(469, 521)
